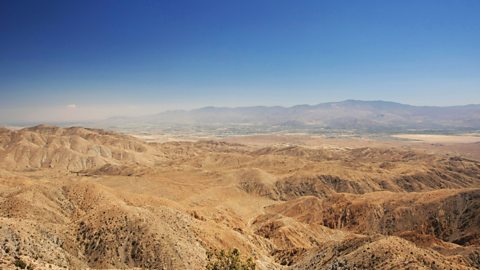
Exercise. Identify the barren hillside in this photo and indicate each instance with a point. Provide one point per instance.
(84, 198)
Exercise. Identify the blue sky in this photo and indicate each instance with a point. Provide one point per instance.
(76, 60)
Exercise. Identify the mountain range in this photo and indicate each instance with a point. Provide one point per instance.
(348, 114)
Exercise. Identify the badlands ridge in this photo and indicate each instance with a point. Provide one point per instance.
(81, 198)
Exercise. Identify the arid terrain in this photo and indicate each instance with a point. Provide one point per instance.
(81, 198)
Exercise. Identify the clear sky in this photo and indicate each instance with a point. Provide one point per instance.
(80, 60)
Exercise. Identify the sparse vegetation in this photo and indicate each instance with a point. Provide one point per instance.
(20, 263)
(228, 260)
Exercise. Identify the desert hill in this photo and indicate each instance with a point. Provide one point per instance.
(73, 149)
(87, 198)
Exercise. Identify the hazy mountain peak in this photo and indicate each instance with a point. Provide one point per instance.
(349, 114)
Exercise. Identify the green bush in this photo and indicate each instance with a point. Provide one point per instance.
(228, 260)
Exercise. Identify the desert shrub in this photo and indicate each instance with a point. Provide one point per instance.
(228, 260)
(20, 264)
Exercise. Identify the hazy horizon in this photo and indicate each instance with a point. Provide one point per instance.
(90, 60)
(72, 109)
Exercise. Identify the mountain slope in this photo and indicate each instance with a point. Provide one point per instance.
(74, 149)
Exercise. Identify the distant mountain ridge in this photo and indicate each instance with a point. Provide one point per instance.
(348, 114)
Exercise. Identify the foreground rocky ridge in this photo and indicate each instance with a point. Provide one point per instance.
(86, 198)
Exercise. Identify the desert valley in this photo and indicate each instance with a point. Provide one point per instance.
(82, 198)
(240, 135)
